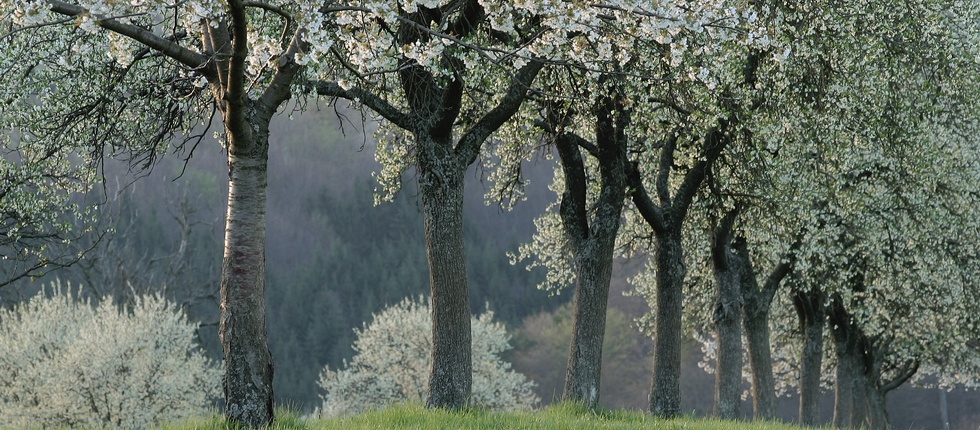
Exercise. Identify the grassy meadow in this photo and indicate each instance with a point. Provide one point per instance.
(562, 416)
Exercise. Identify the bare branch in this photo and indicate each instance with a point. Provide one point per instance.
(367, 98)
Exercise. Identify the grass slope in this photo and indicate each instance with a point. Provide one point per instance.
(562, 416)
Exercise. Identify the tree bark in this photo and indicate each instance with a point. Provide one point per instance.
(441, 182)
(728, 327)
(844, 387)
(593, 271)
(593, 242)
(666, 220)
(876, 415)
(862, 390)
(756, 306)
(943, 409)
(248, 365)
(760, 363)
(853, 386)
(810, 310)
(665, 397)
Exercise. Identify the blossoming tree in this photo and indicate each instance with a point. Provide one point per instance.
(392, 360)
(71, 363)
(442, 76)
(838, 156)
(89, 75)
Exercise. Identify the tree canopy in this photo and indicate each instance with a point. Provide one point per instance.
(835, 137)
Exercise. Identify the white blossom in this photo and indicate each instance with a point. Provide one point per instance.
(68, 363)
(392, 359)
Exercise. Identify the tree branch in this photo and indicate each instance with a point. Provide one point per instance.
(722, 238)
(581, 142)
(381, 106)
(714, 143)
(469, 144)
(452, 102)
(908, 369)
(278, 90)
(666, 164)
(235, 89)
(268, 7)
(215, 39)
(649, 210)
(572, 209)
(168, 47)
(783, 269)
(469, 18)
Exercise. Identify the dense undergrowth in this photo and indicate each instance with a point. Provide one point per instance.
(562, 416)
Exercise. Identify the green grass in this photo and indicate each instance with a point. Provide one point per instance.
(561, 416)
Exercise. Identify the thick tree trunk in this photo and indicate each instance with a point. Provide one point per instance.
(248, 363)
(593, 241)
(845, 386)
(876, 415)
(809, 306)
(756, 305)
(861, 393)
(850, 395)
(593, 270)
(441, 188)
(760, 362)
(728, 327)
(665, 397)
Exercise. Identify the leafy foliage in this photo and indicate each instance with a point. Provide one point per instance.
(69, 363)
(393, 357)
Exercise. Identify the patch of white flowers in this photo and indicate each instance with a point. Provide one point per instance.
(69, 363)
(393, 356)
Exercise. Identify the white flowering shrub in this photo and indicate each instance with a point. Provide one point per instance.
(68, 363)
(392, 356)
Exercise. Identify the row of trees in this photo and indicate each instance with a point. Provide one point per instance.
(833, 139)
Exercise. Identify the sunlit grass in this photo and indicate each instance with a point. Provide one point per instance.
(560, 416)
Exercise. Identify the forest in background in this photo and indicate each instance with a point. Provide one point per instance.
(334, 258)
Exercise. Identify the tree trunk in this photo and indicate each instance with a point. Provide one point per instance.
(810, 311)
(850, 396)
(756, 306)
(760, 362)
(943, 409)
(248, 363)
(861, 394)
(665, 397)
(845, 386)
(728, 327)
(593, 270)
(593, 242)
(876, 415)
(441, 181)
